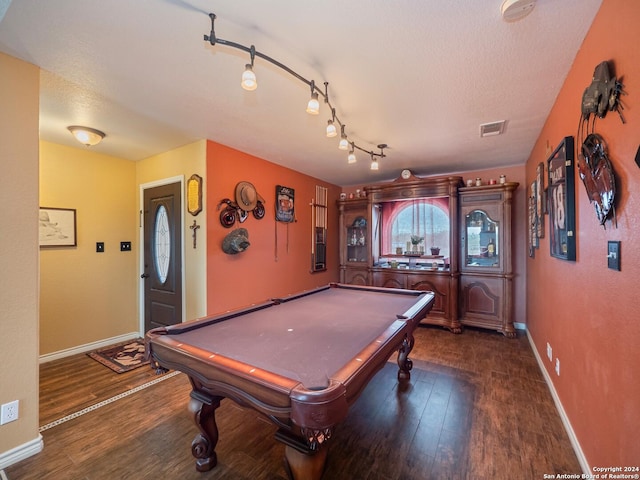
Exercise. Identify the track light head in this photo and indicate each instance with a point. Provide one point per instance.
(331, 129)
(313, 107)
(352, 155)
(249, 81)
(344, 143)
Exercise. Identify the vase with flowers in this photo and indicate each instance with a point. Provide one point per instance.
(416, 240)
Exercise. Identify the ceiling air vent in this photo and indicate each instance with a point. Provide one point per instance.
(493, 128)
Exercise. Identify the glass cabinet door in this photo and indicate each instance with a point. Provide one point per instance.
(357, 240)
(482, 246)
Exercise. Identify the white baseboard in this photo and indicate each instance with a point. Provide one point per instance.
(21, 452)
(563, 415)
(87, 347)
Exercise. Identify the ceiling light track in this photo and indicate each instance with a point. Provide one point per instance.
(249, 82)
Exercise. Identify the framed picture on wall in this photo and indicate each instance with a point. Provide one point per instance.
(57, 227)
(194, 194)
(532, 231)
(561, 198)
(540, 200)
(285, 204)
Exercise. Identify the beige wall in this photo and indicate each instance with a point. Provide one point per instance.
(184, 162)
(19, 97)
(86, 296)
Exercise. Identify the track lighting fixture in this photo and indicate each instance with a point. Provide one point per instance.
(249, 78)
(374, 163)
(332, 131)
(344, 143)
(86, 136)
(374, 160)
(249, 82)
(313, 107)
(352, 155)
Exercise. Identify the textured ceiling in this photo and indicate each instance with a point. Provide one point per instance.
(418, 75)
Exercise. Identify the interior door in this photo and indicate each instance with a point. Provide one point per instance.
(162, 256)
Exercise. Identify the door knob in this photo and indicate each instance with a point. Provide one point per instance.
(144, 275)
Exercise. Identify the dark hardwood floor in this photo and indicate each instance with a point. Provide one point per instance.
(476, 408)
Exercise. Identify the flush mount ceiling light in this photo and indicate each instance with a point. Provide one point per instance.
(86, 136)
(249, 82)
(513, 10)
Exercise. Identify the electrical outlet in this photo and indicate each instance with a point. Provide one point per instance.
(549, 352)
(558, 366)
(9, 412)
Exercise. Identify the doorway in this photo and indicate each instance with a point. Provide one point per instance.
(162, 256)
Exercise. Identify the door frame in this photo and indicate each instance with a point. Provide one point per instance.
(143, 187)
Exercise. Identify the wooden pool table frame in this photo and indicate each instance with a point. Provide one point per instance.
(305, 417)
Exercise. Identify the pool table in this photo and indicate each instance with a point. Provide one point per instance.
(301, 361)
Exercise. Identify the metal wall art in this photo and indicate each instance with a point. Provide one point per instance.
(595, 169)
(597, 176)
(247, 199)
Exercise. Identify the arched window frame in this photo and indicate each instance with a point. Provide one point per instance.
(390, 213)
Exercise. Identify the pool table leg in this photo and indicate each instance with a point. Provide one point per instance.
(300, 461)
(204, 445)
(404, 362)
(304, 466)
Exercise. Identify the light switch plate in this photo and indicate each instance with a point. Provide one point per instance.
(613, 255)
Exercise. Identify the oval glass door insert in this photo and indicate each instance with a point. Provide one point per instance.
(162, 244)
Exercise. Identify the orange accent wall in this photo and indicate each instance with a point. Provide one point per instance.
(587, 312)
(278, 261)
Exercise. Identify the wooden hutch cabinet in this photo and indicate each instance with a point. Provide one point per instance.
(471, 277)
(398, 265)
(355, 241)
(486, 282)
